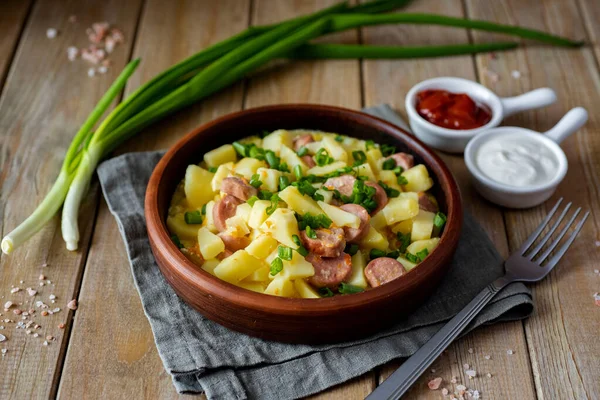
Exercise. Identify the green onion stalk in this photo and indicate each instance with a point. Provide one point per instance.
(221, 65)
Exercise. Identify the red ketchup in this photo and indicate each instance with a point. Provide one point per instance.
(451, 110)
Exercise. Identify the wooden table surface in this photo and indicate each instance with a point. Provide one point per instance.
(106, 349)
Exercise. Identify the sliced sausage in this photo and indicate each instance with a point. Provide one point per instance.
(404, 160)
(329, 242)
(302, 140)
(344, 184)
(226, 253)
(234, 243)
(238, 187)
(426, 203)
(308, 160)
(329, 272)
(355, 235)
(380, 196)
(383, 270)
(224, 209)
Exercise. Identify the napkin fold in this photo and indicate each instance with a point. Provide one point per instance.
(202, 356)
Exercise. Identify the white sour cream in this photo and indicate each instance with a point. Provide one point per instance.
(517, 160)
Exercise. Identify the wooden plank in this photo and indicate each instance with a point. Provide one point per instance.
(42, 107)
(325, 82)
(13, 15)
(388, 82)
(565, 357)
(112, 352)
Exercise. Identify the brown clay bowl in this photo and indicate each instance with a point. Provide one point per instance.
(326, 320)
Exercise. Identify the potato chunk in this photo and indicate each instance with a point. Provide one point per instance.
(298, 267)
(374, 240)
(418, 179)
(298, 202)
(419, 245)
(281, 286)
(223, 171)
(339, 216)
(406, 264)
(210, 244)
(422, 226)
(282, 225)
(258, 214)
(269, 178)
(262, 246)
(197, 186)
(305, 290)
(238, 266)
(399, 209)
(177, 225)
(326, 169)
(357, 277)
(278, 138)
(220, 155)
(365, 170)
(248, 166)
(378, 221)
(334, 149)
(210, 265)
(290, 157)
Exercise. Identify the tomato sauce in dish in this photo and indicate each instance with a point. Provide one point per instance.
(451, 110)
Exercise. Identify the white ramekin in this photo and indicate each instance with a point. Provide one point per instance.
(453, 140)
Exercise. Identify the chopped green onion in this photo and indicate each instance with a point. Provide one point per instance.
(402, 180)
(301, 249)
(176, 240)
(318, 197)
(274, 204)
(284, 182)
(302, 151)
(252, 200)
(212, 169)
(298, 172)
(439, 220)
(404, 241)
(339, 138)
(322, 157)
(398, 170)
(256, 152)
(255, 181)
(390, 191)
(325, 292)
(192, 217)
(359, 157)
(387, 150)
(351, 249)
(240, 148)
(283, 167)
(284, 252)
(412, 258)
(264, 195)
(393, 254)
(313, 221)
(388, 164)
(296, 240)
(272, 159)
(276, 266)
(422, 254)
(369, 144)
(376, 253)
(310, 232)
(203, 210)
(346, 288)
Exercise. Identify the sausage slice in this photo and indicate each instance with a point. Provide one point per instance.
(237, 187)
(302, 140)
(344, 184)
(380, 196)
(426, 204)
(404, 160)
(355, 235)
(329, 272)
(234, 243)
(383, 270)
(308, 160)
(224, 209)
(329, 242)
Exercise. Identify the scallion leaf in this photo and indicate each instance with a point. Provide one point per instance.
(359, 157)
(284, 182)
(389, 164)
(402, 180)
(322, 157)
(212, 169)
(298, 172)
(255, 181)
(276, 266)
(422, 254)
(310, 232)
(387, 150)
(285, 253)
(252, 200)
(272, 159)
(203, 210)
(346, 288)
(339, 138)
(351, 249)
(274, 204)
(240, 148)
(404, 241)
(439, 220)
(376, 253)
(264, 195)
(302, 151)
(176, 240)
(325, 292)
(192, 217)
(390, 191)
(369, 144)
(412, 258)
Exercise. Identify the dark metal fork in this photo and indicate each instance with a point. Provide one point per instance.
(522, 265)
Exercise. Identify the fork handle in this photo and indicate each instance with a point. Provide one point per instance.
(404, 377)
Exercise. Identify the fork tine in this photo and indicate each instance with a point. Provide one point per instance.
(539, 246)
(555, 242)
(554, 260)
(539, 229)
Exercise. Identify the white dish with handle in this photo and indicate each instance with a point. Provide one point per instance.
(454, 140)
(523, 195)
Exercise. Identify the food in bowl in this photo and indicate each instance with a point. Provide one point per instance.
(451, 110)
(305, 214)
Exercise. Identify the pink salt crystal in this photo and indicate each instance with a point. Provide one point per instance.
(434, 384)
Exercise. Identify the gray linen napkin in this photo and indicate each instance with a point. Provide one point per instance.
(203, 356)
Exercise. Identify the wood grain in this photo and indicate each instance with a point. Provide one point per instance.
(388, 82)
(112, 352)
(40, 110)
(565, 359)
(13, 15)
(589, 11)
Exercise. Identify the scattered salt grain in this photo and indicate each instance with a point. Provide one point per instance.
(36, 335)
(445, 391)
(45, 343)
(487, 357)
(597, 299)
(21, 282)
(433, 371)
(52, 297)
(597, 243)
(17, 312)
(51, 33)
(91, 72)
(471, 373)
(8, 305)
(50, 338)
(515, 74)
(15, 290)
(510, 352)
(72, 305)
(466, 366)
(61, 326)
(56, 310)
(453, 380)
(31, 292)
(475, 394)
(102, 69)
(488, 375)
(42, 277)
(434, 384)
(72, 53)
(4, 351)
(470, 350)
(2, 338)
(44, 265)
(461, 388)
(597, 271)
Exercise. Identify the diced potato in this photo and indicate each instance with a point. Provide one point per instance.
(210, 265)
(399, 209)
(404, 227)
(258, 287)
(290, 157)
(258, 214)
(327, 195)
(357, 278)
(274, 254)
(419, 245)
(422, 226)
(297, 268)
(313, 147)
(275, 140)
(178, 226)
(374, 240)
(281, 286)
(262, 246)
(326, 169)
(406, 264)
(220, 155)
(269, 178)
(238, 266)
(409, 195)
(260, 275)
(374, 158)
(298, 202)
(252, 140)
(197, 187)
(243, 211)
(248, 166)
(365, 170)
(282, 225)
(236, 226)
(210, 244)
(418, 179)
(390, 179)
(334, 149)
(223, 171)
(209, 220)
(339, 216)
(305, 290)
(378, 221)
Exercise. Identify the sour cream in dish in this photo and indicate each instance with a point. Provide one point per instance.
(517, 160)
